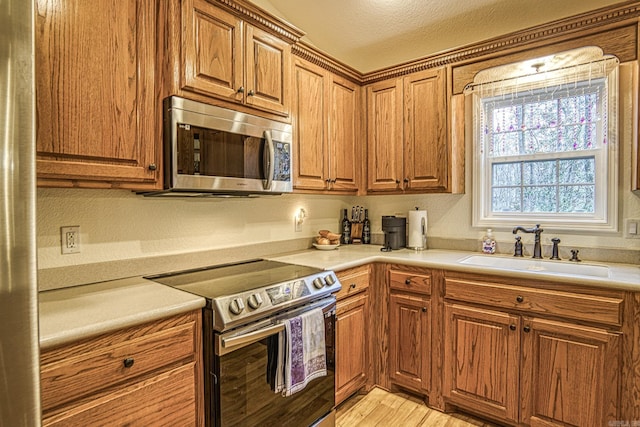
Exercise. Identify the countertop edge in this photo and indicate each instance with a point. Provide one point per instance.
(68, 336)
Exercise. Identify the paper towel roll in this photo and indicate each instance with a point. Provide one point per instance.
(417, 229)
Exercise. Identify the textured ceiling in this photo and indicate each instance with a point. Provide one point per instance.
(372, 34)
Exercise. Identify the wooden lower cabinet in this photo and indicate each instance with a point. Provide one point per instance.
(481, 360)
(410, 342)
(351, 346)
(569, 374)
(530, 371)
(352, 332)
(139, 376)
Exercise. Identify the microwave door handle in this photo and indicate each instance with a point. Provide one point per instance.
(270, 160)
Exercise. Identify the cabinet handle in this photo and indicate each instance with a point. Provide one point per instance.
(241, 89)
(251, 93)
(519, 298)
(333, 181)
(353, 286)
(407, 282)
(512, 327)
(128, 362)
(527, 329)
(424, 309)
(153, 167)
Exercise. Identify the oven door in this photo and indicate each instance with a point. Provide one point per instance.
(242, 395)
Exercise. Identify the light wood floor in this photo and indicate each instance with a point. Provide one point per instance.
(381, 408)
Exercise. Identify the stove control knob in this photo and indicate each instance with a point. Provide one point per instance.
(318, 282)
(254, 301)
(236, 306)
(330, 280)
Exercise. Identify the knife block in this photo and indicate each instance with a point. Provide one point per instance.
(356, 232)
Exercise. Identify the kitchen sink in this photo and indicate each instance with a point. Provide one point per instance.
(520, 264)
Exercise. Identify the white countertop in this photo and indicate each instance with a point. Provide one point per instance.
(621, 276)
(71, 314)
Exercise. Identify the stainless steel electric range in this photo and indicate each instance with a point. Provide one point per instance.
(246, 304)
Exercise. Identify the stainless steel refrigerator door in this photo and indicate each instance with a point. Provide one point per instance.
(19, 349)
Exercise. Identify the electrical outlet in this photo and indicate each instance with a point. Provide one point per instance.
(70, 239)
(632, 228)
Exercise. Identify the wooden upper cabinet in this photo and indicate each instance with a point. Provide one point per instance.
(426, 146)
(309, 126)
(227, 58)
(385, 136)
(414, 144)
(213, 50)
(95, 94)
(268, 69)
(326, 124)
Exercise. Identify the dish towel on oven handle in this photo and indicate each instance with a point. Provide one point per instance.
(304, 351)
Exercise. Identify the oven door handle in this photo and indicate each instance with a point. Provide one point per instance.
(250, 337)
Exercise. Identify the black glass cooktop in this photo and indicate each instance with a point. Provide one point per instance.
(229, 279)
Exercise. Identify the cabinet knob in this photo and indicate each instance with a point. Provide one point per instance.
(406, 181)
(397, 181)
(527, 329)
(153, 167)
(512, 327)
(407, 282)
(241, 89)
(128, 362)
(424, 309)
(519, 298)
(352, 286)
(251, 93)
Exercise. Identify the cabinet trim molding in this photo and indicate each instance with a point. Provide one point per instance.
(262, 18)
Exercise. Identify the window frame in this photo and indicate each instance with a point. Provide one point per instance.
(605, 217)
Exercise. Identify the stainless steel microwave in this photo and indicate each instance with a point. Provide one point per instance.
(210, 150)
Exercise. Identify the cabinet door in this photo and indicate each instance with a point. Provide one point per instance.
(212, 50)
(410, 341)
(384, 136)
(96, 109)
(481, 359)
(344, 160)
(268, 65)
(351, 345)
(426, 153)
(569, 374)
(310, 139)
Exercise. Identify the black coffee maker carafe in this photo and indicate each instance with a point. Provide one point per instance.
(395, 232)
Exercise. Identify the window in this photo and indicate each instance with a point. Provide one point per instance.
(545, 148)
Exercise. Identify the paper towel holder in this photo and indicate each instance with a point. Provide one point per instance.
(417, 229)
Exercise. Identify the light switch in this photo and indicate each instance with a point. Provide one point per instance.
(632, 228)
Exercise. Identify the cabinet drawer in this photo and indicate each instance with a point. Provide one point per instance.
(72, 372)
(572, 305)
(353, 281)
(167, 399)
(410, 282)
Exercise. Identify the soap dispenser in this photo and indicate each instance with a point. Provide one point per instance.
(488, 243)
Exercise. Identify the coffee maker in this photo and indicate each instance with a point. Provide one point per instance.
(395, 232)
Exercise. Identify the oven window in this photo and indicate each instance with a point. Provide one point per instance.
(210, 152)
(245, 397)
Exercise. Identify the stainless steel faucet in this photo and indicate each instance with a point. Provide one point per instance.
(537, 248)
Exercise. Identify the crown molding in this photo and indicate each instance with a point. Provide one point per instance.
(548, 33)
(260, 17)
(311, 54)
